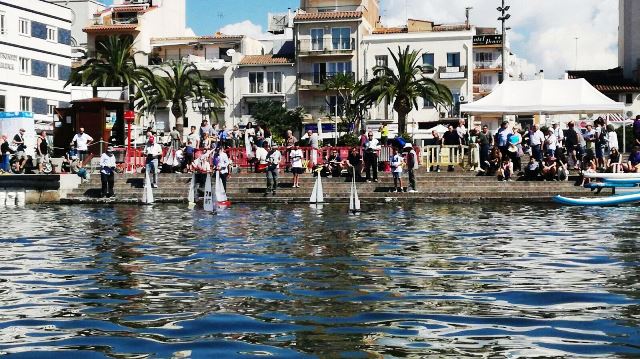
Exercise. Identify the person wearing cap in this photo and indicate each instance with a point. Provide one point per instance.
(82, 142)
(549, 168)
(107, 172)
(153, 152)
(21, 156)
(412, 166)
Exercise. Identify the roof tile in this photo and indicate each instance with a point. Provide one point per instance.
(329, 15)
(107, 28)
(265, 60)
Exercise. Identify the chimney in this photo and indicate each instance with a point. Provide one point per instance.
(541, 75)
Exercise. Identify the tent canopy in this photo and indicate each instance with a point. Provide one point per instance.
(547, 97)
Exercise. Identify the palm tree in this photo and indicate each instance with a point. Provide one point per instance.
(177, 83)
(405, 87)
(113, 66)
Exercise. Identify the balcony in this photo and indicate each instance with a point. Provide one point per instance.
(452, 72)
(317, 80)
(483, 88)
(487, 66)
(315, 47)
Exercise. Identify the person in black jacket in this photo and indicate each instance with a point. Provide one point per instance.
(5, 154)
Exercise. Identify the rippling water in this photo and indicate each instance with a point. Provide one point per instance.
(294, 282)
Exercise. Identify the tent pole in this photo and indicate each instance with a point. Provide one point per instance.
(624, 134)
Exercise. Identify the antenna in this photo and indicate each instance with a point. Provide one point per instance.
(467, 13)
(220, 15)
(576, 38)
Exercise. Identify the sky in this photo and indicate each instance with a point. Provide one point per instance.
(543, 31)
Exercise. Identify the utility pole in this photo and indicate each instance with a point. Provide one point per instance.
(503, 18)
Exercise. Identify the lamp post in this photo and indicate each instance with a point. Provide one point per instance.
(503, 18)
(202, 105)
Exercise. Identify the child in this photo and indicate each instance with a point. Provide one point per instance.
(506, 170)
(396, 168)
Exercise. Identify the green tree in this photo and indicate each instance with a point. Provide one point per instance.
(177, 82)
(277, 118)
(113, 66)
(404, 86)
(349, 107)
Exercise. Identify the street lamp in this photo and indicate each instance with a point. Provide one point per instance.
(202, 105)
(503, 18)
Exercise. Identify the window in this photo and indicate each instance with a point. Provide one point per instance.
(3, 29)
(484, 57)
(2, 103)
(274, 82)
(317, 39)
(24, 27)
(453, 59)
(341, 38)
(336, 105)
(25, 104)
(319, 73)
(334, 68)
(428, 103)
(382, 60)
(52, 71)
(428, 63)
(487, 79)
(51, 108)
(628, 99)
(25, 66)
(52, 34)
(256, 82)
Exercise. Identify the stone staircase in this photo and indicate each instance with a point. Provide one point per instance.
(454, 187)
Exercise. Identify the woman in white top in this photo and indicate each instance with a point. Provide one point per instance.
(396, 168)
(249, 134)
(613, 138)
(296, 156)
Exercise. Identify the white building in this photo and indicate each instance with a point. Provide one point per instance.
(446, 54)
(82, 13)
(629, 39)
(35, 58)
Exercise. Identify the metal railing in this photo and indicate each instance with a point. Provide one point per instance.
(326, 45)
(434, 156)
(495, 65)
(319, 78)
(452, 72)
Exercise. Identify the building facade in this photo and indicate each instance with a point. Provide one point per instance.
(82, 13)
(446, 55)
(629, 38)
(35, 59)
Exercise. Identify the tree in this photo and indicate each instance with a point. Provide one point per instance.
(113, 66)
(178, 82)
(404, 87)
(346, 90)
(277, 118)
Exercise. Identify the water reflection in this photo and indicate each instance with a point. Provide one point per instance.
(394, 281)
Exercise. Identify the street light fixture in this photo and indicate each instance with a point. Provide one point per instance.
(202, 105)
(503, 18)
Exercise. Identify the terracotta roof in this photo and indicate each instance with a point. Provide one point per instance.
(390, 30)
(451, 27)
(329, 15)
(265, 60)
(607, 81)
(217, 35)
(108, 28)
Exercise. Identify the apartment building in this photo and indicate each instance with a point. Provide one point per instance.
(446, 55)
(35, 59)
(328, 36)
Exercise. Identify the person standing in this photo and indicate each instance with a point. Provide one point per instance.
(82, 141)
(384, 135)
(572, 145)
(194, 138)
(636, 132)
(205, 129)
(612, 138)
(222, 165)
(559, 133)
(273, 166)
(176, 139)
(21, 156)
(412, 166)
(371, 148)
(153, 152)
(5, 153)
(107, 172)
(296, 157)
(536, 139)
(551, 143)
(484, 142)
(396, 161)
(462, 132)
(451, 139)
(354, 163)
(42, 150)
(502, 138)
(291, 140)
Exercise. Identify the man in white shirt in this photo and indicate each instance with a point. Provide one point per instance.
(551, 143)
(536, 139)
(296, 156)
(194, 138)
(153, 152)
(261, 158)
(273, 166)
(107, 170)
(371, 149)
(223, 166)
(559, 133)
(82, 141)
(462, 132)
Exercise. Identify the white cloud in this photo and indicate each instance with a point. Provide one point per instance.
(543, 31)
(247, 28)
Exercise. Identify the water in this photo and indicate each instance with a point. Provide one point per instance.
(297, 282)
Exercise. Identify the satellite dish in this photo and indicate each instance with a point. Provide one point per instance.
(629, 113)
(231, 52)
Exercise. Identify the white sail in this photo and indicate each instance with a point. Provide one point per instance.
(192, 190)
(147, 195)
(354, 201)
(208, 195)
(221, 194)
(317, 195)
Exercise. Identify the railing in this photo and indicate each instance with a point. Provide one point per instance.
(186, 58)
(319, 78)
(444, 156)
(494, 65)
(452, 72)
(326, 45)
(483, 88)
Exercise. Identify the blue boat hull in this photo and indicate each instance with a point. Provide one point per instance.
(602, 201)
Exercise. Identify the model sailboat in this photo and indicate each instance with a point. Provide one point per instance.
(208, 204)
(147, 195)
(354, 201)
(192, 192)
(221, 194)
(317, 195)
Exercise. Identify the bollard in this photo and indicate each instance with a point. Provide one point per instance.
(3, 197)
(11, 199)
(21, 197)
